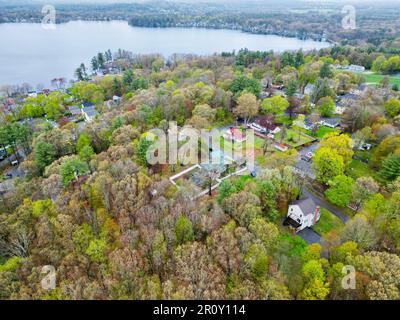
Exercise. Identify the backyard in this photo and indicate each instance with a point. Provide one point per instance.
(327, 223)
(359, 167)
(323, 130)
(294, 138)
(372, 78)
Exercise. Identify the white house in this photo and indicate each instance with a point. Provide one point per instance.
(264, 127)
(116, 99)
(89, 112)
(32, 94)
(302, 214)
(339, 109)
(235, 135)
(356, 68)
(330, 122)
(309, 89)
(281, 147)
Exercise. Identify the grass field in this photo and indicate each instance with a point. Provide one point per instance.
(359, 169)
(323, 130)
(327, 223)
(293, 139)
(374, 78)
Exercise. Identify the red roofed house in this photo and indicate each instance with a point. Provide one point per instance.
(281, 147)
(235, 135)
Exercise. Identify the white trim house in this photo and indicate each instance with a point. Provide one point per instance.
(302, 214)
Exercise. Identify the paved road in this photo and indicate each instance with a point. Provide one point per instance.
(309, 236)
(325, 204)
(304, 166)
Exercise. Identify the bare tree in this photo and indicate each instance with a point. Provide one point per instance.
(18, 244)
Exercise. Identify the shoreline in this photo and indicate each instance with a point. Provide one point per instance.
(240, 29)
(266, 41)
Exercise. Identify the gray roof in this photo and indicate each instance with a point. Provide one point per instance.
(90, 111)
(332, 121)
(74, 110)
(306, 205)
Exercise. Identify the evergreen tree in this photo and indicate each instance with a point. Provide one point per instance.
(326, 71)
(95, 65)
(390, 168)
(100, 60)
(291, 88)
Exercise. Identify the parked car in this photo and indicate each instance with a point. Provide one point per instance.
(307, 157)
(14, 163)
(365, 147)
(3, 154)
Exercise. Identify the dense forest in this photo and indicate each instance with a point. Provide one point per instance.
(113, 226)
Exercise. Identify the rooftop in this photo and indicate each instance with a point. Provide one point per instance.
(306, 205)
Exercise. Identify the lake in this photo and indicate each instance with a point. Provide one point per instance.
(35, 55)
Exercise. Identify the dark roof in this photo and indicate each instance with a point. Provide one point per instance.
(290, 222)
(265, 124)
(308, 123)
(74, 110)
(350, 96)
(90, 111)
(331, 121)
(306, 205)
(87, 105)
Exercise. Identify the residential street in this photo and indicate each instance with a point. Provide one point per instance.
(325, 204)
(304, 167)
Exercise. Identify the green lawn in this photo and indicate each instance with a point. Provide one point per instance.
(364, 154)
(258, 144)
(293, 139)
(374, 78)
(359, 169)
(323, 130)
(327, 223)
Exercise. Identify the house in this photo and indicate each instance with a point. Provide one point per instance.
(256, 127)
(32, 94)
(308, 124)
(265, 125)
(339, 109)
(265, 95)
(235, 135)
(89, 113)
(347, 100)
(330, 122)
(280, 147)
(302, 214)
(309, 89)
(75, 111)
(365, 147)
(87, 105)
(116, 99)
(356, 68)
(278, 86)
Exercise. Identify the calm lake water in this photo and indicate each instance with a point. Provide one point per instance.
(30, 53)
